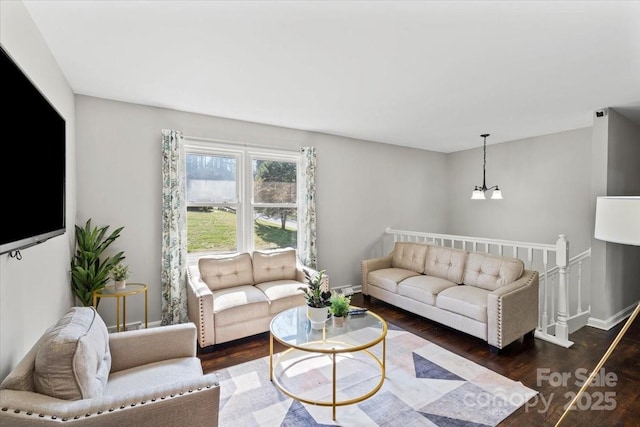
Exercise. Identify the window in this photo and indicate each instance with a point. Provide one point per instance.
(240, 199)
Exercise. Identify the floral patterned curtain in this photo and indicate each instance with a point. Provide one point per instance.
(307, 249)
(174, 229)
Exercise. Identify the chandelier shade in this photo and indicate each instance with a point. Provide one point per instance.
(480, 191)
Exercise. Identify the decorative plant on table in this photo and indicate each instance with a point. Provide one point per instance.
(120, 273)
(339, 307)
(317, 295)
(90, 272)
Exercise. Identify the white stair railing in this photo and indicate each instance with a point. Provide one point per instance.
(577, 316)
(550, 260)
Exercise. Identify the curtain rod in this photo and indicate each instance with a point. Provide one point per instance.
(241, 144)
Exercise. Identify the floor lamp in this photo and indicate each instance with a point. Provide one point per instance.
(617, 221)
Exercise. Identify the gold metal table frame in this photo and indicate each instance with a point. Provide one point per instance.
(110, 291)
(288, 328)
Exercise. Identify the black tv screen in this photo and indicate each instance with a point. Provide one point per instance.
(32, 162)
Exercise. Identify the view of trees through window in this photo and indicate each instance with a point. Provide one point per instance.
(231, 211)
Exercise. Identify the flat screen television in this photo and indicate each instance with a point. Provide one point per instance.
(32, 162)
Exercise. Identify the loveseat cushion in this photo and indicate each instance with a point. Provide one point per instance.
(274, 265)
(282, 294)
(491, 272)
(446, 263)
(73, 360)
(409, 256)
(227, 271)
(233, 305)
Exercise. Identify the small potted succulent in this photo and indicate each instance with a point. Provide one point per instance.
(317, 297)
(120, 273)
(339, 307)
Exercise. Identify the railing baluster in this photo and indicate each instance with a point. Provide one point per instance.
(579, 287)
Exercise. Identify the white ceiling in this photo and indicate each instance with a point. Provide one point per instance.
(427, 74)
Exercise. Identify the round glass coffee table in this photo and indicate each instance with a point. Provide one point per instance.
(361, 340)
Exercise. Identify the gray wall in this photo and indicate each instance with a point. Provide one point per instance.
(615, 267)
(34, 291)
(545, 181)
(362, 187)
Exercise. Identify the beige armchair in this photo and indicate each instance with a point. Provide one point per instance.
(80, 374)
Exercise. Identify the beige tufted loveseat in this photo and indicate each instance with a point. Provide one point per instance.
(236, 296)
(490, 297)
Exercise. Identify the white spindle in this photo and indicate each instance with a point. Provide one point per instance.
(580, 287)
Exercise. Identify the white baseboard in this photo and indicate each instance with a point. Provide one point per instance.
(577, 321)
(348, 289)
(135, 326)
(613, 320)
(129, 327)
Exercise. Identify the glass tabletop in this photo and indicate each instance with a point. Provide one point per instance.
(130, 289)
(292, 327)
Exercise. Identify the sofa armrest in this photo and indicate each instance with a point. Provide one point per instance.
(200, 307)
(189, 402)
(134, 348)
(512, 310)
(372, 264)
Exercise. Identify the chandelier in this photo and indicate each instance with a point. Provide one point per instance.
(479, 192)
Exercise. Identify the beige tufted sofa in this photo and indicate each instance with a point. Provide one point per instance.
(236, 296)
(490, 297)
(79, 374)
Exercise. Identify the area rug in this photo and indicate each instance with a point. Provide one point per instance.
(425, 385)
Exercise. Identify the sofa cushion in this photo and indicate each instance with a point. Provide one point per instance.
(409, 256)
(388, 278)
(446, 263)
(274, 265)
(423, 288)
(491, 272)
(467, 301)
(227, 271)
(73, 360)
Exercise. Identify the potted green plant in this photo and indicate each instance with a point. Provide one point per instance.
(317, 296)
(120, 273)
(90, 270)
(339, 307)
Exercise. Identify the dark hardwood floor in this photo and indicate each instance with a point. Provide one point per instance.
(611, 401)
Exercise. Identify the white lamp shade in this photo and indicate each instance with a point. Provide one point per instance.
(497, 194)
(618, 219)
(477, 194)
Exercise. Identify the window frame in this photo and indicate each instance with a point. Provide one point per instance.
(245, 206)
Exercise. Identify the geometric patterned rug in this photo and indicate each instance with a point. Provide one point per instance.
(425, 385)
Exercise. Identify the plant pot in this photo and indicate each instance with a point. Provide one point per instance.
(338, 321)
(318, 316)
(120, 284)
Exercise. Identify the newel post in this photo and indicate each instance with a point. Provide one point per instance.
(562, 260)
